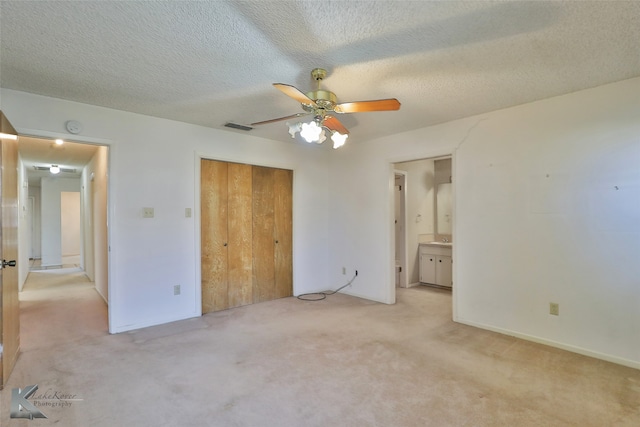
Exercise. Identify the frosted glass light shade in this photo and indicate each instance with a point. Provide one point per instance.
(338, 139)
(310, 131)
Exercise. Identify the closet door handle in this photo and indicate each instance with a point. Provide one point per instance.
(224, 244)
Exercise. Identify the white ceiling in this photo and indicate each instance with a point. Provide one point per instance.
(213, 62)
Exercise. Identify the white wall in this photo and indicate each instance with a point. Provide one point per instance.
(545, 210)
(50, 216)
(24, 224)
(36, 238)
(153, 164)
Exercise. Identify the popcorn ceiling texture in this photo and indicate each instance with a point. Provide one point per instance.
(208, 63)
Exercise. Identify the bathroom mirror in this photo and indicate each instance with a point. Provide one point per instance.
(443, 208)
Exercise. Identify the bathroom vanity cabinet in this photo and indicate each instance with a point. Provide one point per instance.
(436, 264)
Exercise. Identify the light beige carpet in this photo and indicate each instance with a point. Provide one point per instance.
(339, 362)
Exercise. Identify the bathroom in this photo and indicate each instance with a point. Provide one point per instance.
(423, 222)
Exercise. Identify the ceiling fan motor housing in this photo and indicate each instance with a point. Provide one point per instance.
(323, 98)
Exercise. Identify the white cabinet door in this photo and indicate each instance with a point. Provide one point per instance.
(427, 268)
(443, 271)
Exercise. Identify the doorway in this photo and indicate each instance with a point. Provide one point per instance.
(426, 215)
(70, 227)
(64, 226)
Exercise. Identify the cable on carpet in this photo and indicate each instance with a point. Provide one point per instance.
(319, 296)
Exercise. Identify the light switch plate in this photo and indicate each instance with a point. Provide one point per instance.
(187, 212)
(147, 212)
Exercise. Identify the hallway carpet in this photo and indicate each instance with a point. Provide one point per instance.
(343, 361)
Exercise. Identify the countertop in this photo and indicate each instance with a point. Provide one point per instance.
(438, 244)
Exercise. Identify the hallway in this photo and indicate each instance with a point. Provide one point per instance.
(58, 306)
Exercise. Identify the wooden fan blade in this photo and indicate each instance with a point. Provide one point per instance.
(366, 106)
(334, 124)
(293, 116)
(295, 93)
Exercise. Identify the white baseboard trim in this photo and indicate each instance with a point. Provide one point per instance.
(134, 326)
(100, 293)
(353, 294)
(574, 349)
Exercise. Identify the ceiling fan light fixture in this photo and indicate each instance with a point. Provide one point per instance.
(293, 128)
(338, 139)
(59, 141)
(310, 131)
(54, 169)
(323, 137)
(323, 104)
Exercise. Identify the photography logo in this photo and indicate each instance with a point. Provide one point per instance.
(21, 407)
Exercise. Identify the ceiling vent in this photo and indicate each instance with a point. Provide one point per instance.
(237, 126)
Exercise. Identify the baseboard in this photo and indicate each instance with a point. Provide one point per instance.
(100, 293)
(156, 322)
(574, 349)
(353, 294)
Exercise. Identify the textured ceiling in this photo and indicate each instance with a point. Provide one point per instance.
(209, 63)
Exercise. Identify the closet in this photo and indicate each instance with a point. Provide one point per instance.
(246, 234)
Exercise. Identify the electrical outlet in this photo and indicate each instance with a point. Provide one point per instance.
(554, 308)
(147, 212)
(344, 270)
(176, 289)
(187, 212)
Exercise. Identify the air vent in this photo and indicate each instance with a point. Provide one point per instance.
(46, 168)
(237, 126)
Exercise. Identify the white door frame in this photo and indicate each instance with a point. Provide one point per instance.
(110, 144)
(401, 253)
(392, 172)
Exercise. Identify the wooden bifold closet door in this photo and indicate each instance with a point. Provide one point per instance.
(246, 234)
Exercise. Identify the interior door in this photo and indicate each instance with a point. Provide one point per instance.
(283, 232)
(9, 307)
(264, 272)
(214, 213)
(240, 235)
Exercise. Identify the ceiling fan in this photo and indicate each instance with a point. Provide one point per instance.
(323, 105)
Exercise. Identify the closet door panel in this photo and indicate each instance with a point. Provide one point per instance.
(214, 237)
(240, 235)
(263, 236)
(283, 220)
